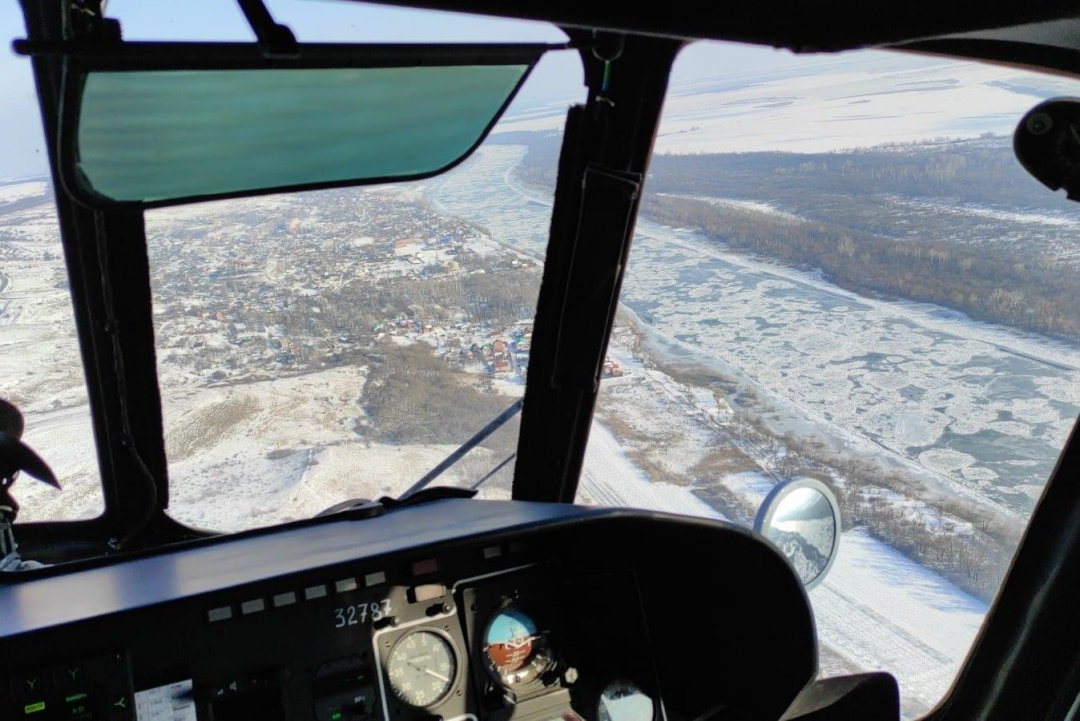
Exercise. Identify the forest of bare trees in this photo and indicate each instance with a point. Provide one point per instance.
(1029, 293)
(835, 220)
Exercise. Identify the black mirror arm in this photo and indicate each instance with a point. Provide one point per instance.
(275, 39)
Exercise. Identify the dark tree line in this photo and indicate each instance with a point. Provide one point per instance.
(411, 396)
(983, 172)
(1030, 293)
(851, 230)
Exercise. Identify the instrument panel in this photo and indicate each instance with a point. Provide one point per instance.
(542, 618)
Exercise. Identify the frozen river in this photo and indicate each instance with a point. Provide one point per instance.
(979, 408)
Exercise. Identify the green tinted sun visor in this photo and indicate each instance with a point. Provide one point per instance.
(242, 124)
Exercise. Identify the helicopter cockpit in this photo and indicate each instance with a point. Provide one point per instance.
(283, 302)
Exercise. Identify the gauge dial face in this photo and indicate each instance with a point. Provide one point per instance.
(514, 648)
(421, 668)
(624, 701)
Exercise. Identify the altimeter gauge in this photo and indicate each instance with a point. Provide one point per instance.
(421, 668)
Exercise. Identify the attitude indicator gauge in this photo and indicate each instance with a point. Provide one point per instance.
(515, 649)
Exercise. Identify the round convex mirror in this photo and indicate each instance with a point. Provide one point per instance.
(802, 519)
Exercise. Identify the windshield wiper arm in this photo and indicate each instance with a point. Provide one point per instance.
(464, 448)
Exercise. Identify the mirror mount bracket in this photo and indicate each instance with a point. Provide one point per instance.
(85, 28)
(85, 21)
(275, 39)
(85, 25)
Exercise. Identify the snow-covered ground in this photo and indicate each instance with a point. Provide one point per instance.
(10, 192)
(610, 479)
(750, 205)
(854, 101)
(876, 609)
(40, 368)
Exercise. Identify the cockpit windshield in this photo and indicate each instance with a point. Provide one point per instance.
(338, 344)
(839, 273)
(318, 347)
(302, 337)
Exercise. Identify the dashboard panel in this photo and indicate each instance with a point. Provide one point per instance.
(461, 610)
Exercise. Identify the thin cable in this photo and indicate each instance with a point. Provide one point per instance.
(465, 447)
(493, 471)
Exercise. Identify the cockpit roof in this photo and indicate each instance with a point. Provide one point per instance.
(1042, 34)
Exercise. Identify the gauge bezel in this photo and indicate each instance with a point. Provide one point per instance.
(455, 679)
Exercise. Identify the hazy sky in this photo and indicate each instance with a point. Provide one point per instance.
(557, 77)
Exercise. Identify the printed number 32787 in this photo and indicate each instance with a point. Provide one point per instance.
(361, 613)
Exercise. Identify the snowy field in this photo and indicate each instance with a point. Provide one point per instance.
(878, 609)
(822, 104)
(875, 610)
(974, 409)
(40, 369)
(609, 479)
(11, 192)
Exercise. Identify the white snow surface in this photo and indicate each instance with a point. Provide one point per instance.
(857, 101)
(11, 192)
(40, 368)
(876, 609)
(234, 481)
(879, 610)
(610, 479)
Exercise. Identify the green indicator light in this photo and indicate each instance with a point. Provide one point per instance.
(336, 716)
(33, 707)
(74, 698)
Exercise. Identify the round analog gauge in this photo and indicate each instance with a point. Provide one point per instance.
(421, 668)
(624, 701)
(514, 648)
